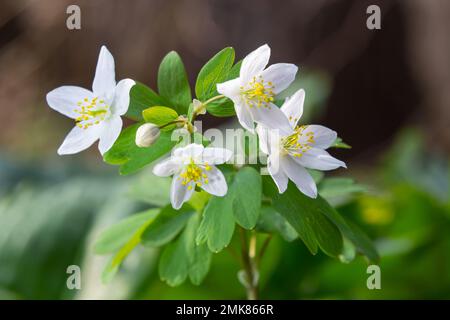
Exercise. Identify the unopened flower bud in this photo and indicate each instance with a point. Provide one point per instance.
(147, 134)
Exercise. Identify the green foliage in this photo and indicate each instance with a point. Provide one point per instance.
(317, 223)
(271, 221)
(335, 187)
(160, 116)
(143, 189)
(116, 236)
(167, 226)
(213, 72)
(141, 98)
(339, 143)
(130, 157)
(184, 258)
(307, 218)
(217, 70)
(217, 225)
(173, 84)
(222, 107)
(128, 235)
(247, 192)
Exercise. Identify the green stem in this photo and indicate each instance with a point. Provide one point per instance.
(213, 99)
(263, 249)
(249, 264)
(172, 122)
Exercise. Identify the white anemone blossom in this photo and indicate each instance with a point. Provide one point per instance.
(97, 113)
(194, 166)
(254, 91)
(293, 148)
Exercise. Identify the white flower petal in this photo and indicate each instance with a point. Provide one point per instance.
(64, 99)
(216, 155)
(217, 185)
(319, 159)
(263, 135)
(109, 134)
(254, 63)
(293, 107)
(281, 75)
(230, 89)
(323, 136)
(278, 175)
(299, 176)
(272, 118)
(180, 193)
(122, 96)
(105, 76)
(79, 139)
(193, 150)
(166, 168)
(244, 117)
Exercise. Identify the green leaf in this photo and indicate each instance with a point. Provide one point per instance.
(126, 153)
(199, 255)
(222, 107)
(140, 157)
(305, 208)
(213, 72)
(120, 151)
(348, 252)
(160, 116)
(217, 225)
(335, 187)
(247, 192)
(184, 258)
(173, 83)
(116, 236)
(338, 143)
(173, 263)
(359, 239)
(143, 189)
(128, 243)
(166, 226)
(271, 221)
(141, 98)
(199, 200)
(234, 72)
(308, 217)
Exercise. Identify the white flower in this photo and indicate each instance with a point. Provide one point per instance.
(254, 91)
(193, 166)
(97, 112)
(147, 134)
(294, 148)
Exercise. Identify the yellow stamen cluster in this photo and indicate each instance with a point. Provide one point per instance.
(258, 93)
(91, 112)
(196, 174)
(299, 142)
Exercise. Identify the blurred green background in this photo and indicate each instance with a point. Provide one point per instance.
(385, 92)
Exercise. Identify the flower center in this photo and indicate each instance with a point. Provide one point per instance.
(91, 112)
(195, 173)
(298, 142)
(258, 93)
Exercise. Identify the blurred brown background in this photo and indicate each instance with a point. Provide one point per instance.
(382, 79)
